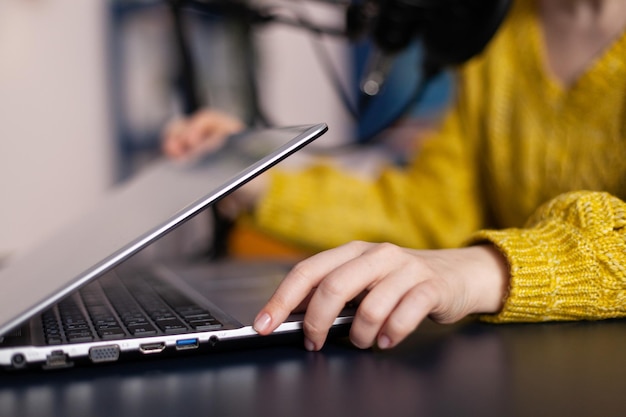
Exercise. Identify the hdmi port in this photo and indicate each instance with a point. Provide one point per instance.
(148, 348)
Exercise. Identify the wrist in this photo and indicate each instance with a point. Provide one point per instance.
(492, 278)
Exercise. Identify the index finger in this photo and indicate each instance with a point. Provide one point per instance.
(299, 283)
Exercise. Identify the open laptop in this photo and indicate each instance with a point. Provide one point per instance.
(88, 294)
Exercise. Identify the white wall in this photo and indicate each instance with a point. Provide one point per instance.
(293, 85)
(55, 143)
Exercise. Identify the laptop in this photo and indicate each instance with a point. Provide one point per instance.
(89, 295)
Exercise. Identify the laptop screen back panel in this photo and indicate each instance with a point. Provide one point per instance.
(136, 214)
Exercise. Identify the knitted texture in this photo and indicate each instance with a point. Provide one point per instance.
(569, 263)
(515, 146)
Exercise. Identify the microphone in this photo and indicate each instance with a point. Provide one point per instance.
(376, 73)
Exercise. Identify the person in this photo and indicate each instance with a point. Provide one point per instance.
(512, 211)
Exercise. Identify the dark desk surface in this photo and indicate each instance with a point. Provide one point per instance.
(570, 369)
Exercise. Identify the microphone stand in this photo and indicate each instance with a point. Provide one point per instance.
(240, 10)
(187, 81)
(221, 225)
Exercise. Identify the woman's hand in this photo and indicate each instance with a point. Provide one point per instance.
(203, 132)
(400, 288)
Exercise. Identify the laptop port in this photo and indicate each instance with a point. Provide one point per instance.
(108, 353)
(18, 360)
(184, 344)
(57, 359)
(149, 348)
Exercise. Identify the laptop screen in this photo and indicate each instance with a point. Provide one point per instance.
(135, 214)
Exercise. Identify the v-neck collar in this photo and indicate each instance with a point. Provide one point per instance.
(607, 65)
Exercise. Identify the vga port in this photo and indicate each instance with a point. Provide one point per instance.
(107, 353)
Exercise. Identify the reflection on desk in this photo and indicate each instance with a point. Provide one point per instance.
(573, 369)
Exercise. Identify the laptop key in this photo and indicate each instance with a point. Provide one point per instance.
(79, 336)
(54, 340)
(197, 315)
(205, 326)
(142, 329)
(76, 327)
(171, 325)
(111, 333)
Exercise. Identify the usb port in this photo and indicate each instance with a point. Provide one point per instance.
(183, 344)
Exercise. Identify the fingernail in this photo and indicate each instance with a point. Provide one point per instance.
(308, 345)
(262, 323)
(384, 342)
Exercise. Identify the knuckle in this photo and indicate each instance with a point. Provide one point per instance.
(371, 314)
(400, 327)
(357, 246)
(387, 249)
(357, 243)
(420, 300)
(425, 293)
(280, 303)
(286, 296)
(424, 297)
(312, 330)
(301, 272)
(333, 288)
(431, 297)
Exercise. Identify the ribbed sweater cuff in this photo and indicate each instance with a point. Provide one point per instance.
(553, 276)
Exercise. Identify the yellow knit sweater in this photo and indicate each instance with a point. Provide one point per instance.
(522, 162)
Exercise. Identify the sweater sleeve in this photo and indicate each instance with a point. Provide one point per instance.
(568, 263)
(432, 203)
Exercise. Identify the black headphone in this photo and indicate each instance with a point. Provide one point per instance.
(450, 31)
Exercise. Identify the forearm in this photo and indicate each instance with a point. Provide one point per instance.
(429, 205)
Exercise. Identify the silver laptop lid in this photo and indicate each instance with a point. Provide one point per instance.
(136, 214)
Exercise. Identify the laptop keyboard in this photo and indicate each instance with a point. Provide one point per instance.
(111, 309)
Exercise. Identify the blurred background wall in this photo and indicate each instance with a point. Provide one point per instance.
(86, 86)
(55, 135)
